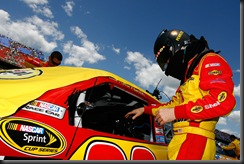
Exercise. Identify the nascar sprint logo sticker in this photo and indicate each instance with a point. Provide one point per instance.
(15, 74)
(31, 137)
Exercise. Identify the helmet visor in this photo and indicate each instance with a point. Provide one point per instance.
(163, 56)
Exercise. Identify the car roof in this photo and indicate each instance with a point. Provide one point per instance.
(20, 86)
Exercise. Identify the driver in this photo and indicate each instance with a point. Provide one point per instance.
(205, 93)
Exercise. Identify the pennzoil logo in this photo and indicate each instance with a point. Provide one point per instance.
(222, 96)
(15, 74)
(31, 137)
(215, 72)
(196, 109)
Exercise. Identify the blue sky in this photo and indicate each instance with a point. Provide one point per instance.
(118, 35)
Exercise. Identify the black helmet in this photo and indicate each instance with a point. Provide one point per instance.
(173, 50)
(167, 44)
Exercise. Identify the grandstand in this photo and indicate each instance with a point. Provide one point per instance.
(13, 54)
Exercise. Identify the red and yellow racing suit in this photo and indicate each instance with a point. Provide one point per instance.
(198, 103)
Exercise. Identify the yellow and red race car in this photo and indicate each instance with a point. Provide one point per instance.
(73, 113)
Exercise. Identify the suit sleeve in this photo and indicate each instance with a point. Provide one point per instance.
(216, 79)
(231, 146)
(152, 109)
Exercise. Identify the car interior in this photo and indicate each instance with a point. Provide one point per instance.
(103, 109)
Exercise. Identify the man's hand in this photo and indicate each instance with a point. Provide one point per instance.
(165, 115)
(137, 112)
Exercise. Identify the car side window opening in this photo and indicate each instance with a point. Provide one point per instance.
(103, 108)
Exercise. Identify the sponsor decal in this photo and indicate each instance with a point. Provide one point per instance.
(212, 105)
(215, 72)
(160, 50)
(160, 139)
(212, 65)
(45, 108)
(128, 86)
(196, 109)
(31, 137)
(222, 96)
(159, 130)
(19, 73)
(182, 120)
(26, 128)
(218, 81)
(179, 35)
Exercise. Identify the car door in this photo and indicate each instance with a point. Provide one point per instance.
(104, 133)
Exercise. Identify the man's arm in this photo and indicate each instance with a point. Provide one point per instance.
(231, 146)
(216, 80)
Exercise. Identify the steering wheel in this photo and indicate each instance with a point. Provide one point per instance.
(126, 127)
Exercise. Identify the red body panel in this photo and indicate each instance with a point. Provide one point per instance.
(39, 130)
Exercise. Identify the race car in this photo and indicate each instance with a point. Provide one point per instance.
(75, 113)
